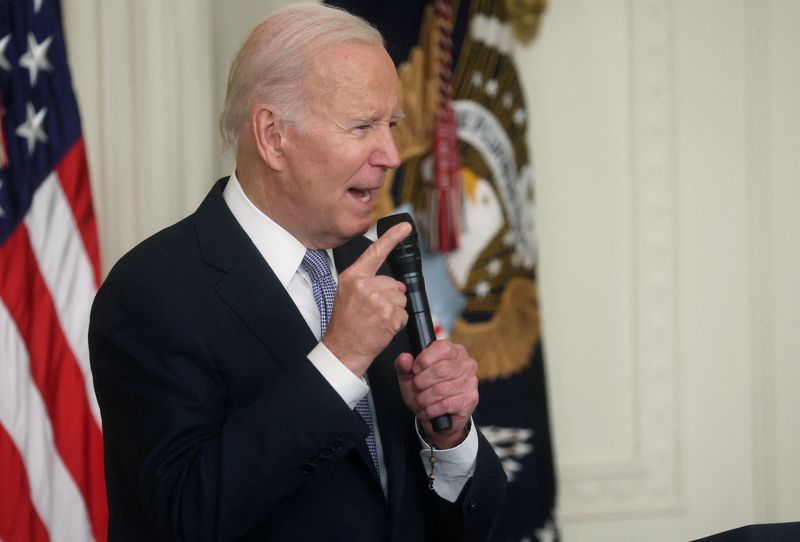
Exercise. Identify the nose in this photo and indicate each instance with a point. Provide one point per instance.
(386, 154)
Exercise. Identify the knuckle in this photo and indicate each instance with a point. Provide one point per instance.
(374, 249)
(359, 283)
(422, 360)
(440, 370)
(373, 297)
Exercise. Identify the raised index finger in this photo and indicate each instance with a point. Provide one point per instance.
(372, 258)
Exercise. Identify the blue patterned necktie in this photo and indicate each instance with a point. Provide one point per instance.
(315, 263)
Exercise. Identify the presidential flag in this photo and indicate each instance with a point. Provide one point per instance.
(468, 180)
(51, 452)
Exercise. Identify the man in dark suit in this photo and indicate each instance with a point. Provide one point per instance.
(247, 391)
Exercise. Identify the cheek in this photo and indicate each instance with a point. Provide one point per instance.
(355, 160)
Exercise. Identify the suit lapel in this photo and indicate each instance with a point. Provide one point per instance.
(266, 308)
(254, 293)
(249, 285)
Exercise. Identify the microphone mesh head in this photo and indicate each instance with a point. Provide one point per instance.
(388, 221)
(407, 252)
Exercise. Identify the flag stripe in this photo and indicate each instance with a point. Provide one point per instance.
(23, 414)
(49, 274)
(19, 521)
(56, 373)
(66, 270)
(73, 172)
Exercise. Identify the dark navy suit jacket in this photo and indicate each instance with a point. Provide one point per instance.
(216, 425)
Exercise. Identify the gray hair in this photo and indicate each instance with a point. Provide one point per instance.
(274, 61)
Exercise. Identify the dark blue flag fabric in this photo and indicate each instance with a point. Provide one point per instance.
(455, 63)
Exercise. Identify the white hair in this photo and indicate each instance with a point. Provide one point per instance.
(276, 57)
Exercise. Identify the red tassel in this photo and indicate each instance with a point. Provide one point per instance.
(445, 205)
(446, 197)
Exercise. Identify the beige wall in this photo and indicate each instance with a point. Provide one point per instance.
(669, 255)
(664, 137)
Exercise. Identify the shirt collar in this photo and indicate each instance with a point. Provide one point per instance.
(282, 251)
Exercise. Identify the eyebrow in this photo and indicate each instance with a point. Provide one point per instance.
(369, 119)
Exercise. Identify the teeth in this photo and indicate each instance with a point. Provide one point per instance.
(366, 195)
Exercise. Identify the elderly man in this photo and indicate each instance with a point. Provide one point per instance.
(251, 361)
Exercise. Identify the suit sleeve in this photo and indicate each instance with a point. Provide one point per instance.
(199, 469)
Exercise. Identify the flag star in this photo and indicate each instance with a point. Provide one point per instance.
(4, 63)
(477, 78)
(32, 129)
(494, 267)
(37, 5)
(491, 87)
(507, 100)
(482, 289)
(36, 57)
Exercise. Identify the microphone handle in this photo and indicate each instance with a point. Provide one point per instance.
(405, 263)
(421, 332)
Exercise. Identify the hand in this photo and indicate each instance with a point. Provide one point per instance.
(443, 379)
(368, 309)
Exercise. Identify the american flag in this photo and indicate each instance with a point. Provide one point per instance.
(51, 450)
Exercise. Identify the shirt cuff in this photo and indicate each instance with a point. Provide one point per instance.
(454, 466)
(349, 387)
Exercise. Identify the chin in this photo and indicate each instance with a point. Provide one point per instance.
(347, 231)
(358, 227)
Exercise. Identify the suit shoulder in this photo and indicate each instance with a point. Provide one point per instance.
(170, 247)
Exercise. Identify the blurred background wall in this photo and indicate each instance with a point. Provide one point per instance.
(665, 138)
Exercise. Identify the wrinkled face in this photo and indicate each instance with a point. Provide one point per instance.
(337, 155)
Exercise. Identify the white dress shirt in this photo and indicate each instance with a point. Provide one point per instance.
(284, 254)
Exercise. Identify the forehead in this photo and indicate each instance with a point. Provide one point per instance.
(355, 79)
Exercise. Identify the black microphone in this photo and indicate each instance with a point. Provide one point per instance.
(405, 262)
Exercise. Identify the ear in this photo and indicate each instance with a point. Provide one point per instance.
(268, 134)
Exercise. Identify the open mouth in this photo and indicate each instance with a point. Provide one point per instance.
(362, 195)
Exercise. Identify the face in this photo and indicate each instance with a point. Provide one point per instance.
(337, 155)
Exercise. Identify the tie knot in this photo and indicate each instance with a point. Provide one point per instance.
(315, 262)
